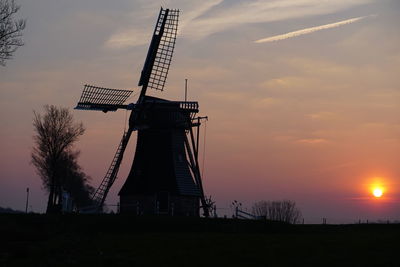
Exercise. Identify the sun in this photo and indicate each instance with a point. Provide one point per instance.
(377, 192)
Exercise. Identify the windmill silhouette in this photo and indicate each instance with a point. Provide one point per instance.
(165, 175)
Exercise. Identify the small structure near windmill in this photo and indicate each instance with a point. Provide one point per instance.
(165, 176)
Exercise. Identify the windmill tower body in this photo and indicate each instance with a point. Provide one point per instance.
(165, 176)
(160, 180)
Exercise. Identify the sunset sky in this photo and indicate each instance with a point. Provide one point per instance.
(303, 96)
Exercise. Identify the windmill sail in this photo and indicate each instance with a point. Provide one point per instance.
(159, 56)
(103, 99)
(101, 193)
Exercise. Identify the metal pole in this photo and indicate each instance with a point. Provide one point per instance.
(186, 89)
(197, 138)
(27, 200)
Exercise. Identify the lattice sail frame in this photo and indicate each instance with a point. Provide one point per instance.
(98, 98)
(165, 50)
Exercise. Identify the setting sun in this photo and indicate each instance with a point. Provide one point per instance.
(377, 186)
(377, 192)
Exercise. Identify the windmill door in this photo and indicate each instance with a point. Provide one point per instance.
(163, 202)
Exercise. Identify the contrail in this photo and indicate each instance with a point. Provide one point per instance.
(308, 30)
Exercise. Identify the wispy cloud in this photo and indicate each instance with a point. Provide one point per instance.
(142, 33)
(128, 38)
(194, 13)
(313, 141)
(201, 18)
(236, 13)
(323, 115)
(308, 30)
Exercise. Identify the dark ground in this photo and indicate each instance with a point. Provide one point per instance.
(116, 240)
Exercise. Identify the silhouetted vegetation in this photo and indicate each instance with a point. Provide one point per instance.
(74, 180)
(280, 211)
(54, 158)
(10, 30)
(9, 210)
(116, 240)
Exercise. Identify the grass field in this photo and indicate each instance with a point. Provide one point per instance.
(116, 240)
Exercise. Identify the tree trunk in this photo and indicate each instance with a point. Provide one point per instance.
(50, 201)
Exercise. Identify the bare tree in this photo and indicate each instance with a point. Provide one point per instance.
(10, 30)
(211, 206)
(282, 211)
(55, 134)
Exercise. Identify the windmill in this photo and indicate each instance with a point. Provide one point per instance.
(165, 175)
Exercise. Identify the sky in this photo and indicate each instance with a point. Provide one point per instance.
(303, 97)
